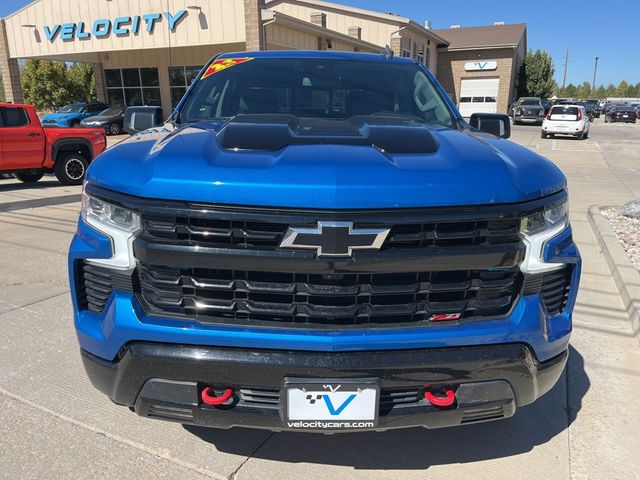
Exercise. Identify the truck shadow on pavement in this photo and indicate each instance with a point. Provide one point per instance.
(418, 448)
(6, 185)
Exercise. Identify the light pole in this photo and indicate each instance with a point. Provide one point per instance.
(595, 69)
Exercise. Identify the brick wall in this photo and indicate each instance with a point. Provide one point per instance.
(451, 72)
(9, 70)
(253, 24)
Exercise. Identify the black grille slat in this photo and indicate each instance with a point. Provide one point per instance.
(228, 296)
(96, 283)
(554, 288)
(204, 231)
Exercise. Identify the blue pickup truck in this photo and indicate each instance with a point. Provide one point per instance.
(318, 241)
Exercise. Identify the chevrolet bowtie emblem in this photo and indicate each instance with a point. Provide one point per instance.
(334, 239)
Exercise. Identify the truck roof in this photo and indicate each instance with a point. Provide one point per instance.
(371, 57)
(9, 104)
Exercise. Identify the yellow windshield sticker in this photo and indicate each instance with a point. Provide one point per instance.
(223, 64)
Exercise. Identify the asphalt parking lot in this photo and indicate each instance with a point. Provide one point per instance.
(54, 424)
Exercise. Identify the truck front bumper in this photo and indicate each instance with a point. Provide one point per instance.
(164, 381)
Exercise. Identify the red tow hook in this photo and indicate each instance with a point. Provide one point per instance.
(438, 400)
(209, 399)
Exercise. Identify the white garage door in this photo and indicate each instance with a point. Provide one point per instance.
(478, 95)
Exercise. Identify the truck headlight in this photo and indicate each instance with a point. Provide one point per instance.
(118, 223)
(546, 219)
(537, 229)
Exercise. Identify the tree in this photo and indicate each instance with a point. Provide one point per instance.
(2, 97)
(536, 75)
(83, 81)
(602, 92)
(611, 90)
(632, 90)
(621, 91)
(570, 91)
(46, 84)
(584, 91)
(50, 85)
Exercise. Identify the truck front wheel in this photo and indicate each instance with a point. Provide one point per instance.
(29, 177)
(70, 168)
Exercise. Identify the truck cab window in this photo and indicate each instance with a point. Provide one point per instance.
(14, 117)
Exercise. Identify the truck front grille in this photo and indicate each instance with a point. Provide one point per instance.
(202, 230)
(223, 264)
(237, 296)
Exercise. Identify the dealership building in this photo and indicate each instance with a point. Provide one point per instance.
(147, 52)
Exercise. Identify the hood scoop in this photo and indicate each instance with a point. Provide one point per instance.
(272, 132)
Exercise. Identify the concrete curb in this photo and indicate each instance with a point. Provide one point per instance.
(625, 275)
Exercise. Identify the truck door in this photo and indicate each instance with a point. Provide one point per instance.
(22, 141)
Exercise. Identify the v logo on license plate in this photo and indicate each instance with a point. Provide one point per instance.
(338, 411)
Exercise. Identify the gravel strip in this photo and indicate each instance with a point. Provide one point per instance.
(627, 230)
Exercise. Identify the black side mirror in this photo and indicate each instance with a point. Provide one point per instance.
(137, 119)
(494, 123)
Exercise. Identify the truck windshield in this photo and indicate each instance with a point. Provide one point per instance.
(72, 108)
(315, 88)
(531, 101)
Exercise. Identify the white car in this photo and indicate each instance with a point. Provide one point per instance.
(566, 120)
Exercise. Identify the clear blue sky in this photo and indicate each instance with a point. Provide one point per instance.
(605, 28)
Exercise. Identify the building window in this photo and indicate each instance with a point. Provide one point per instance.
(427, 56)
(131, 87)
(179, 80)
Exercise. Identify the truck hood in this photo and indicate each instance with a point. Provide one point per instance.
(61, 116)
(409, 165)
(102, 118)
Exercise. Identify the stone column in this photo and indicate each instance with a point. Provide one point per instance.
(253, 25)
(9, 69)
(101, 91)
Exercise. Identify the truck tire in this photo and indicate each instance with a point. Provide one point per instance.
(29, 177)
(70, 168)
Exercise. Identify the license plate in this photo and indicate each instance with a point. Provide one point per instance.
(330, 404)
(561, 127)
(625, 116)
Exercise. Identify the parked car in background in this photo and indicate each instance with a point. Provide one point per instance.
(610, 105)
(594, 105)
(589, 109)
(635, 106)
(547, 104)
(528, 110)
(71, 115)
(566, 120)
(29, 151)
(111, 120)
(622, 113)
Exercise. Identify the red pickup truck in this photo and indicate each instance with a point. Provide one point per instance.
(28, 150)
